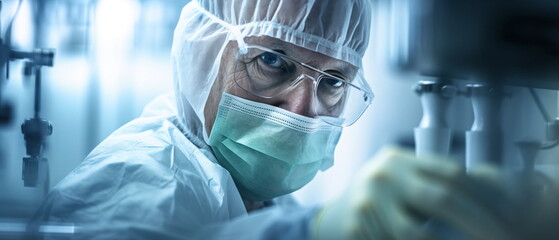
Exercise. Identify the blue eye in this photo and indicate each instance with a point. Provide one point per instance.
(270, 59)
(333, 82)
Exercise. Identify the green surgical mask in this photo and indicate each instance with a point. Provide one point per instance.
(270, 151)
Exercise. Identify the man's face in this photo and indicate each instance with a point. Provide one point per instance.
(298, 100)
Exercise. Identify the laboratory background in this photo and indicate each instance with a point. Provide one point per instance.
(101, 61)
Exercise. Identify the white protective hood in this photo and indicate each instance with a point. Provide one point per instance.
(336, 28)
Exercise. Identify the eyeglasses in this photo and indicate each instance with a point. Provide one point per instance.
(267, 73)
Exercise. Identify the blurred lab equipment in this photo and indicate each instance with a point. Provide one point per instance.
(500, 42)
(482, 48)
(6, 109)
(493, 53)
(433, 135)
(484, 139)
(111, 59)
(35, 130)
(16, 229)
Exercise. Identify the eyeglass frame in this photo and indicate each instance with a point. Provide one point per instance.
(369, 95)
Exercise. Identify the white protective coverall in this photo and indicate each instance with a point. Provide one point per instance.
(156, 177)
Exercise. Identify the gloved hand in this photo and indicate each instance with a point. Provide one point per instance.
(528, 202)
(396, 193)
(540, 218)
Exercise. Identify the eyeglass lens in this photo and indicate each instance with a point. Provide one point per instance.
(268, 74)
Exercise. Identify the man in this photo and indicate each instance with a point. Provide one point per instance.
(262, 91)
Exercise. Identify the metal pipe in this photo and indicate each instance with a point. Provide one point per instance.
(37, 91)
(540, 105)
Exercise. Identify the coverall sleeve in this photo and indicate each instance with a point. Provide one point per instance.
(129, 196)
(271, 223)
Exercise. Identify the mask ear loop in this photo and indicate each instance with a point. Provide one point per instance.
(243, 49)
